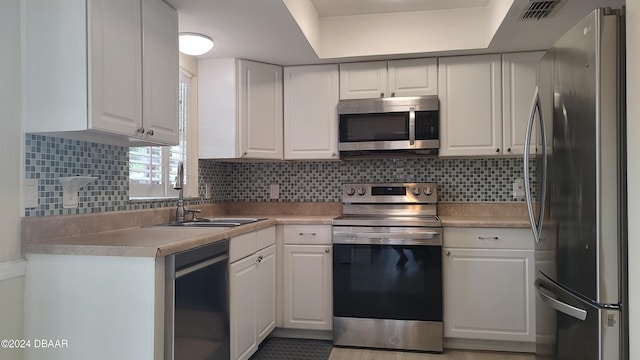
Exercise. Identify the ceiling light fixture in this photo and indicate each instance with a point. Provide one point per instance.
(194, 44)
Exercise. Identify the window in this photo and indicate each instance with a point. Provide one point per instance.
(153, 169)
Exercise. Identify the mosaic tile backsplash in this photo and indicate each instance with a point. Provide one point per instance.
(459, 180)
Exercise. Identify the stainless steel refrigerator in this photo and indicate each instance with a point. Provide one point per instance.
(576, 191)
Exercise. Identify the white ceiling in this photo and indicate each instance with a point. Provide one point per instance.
(291, 32)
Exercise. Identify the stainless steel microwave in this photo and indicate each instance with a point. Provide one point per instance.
(389, 125)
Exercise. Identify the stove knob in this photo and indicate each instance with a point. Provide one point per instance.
(350, 191)
(416, 191)
(428, 190)
(361, 191)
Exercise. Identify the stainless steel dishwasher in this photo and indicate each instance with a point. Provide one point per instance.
(196, 304)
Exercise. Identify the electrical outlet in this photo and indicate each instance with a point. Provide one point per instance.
(274, 191)
(518, 189)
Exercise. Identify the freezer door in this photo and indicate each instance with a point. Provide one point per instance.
(584, 170)
(569, 328)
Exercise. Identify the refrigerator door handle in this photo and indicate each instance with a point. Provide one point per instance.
(570, 310)
(536, 224)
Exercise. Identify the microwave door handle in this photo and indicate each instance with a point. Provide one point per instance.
(412, 126)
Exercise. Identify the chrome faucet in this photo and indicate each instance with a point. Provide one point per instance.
(181, 211)
(179, 184)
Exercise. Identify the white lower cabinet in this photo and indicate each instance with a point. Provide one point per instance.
(252, 292)
(103, 307)
(308, 277)
(243, 311)
(488, 285)
(266, 292)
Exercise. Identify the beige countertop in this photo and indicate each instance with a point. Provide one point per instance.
(71, 235)
(150, 241)
(508, 215)
(130, 233)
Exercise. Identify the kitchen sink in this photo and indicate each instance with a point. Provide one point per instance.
(214, 222)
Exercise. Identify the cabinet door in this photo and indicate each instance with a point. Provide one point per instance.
(307, 287)
(363, 80)
(488, 294)
(266, 292)
(160, 71)
(242, 308)
(413, 77)
(310, 112)
(470, 94)
(260, 110)
(519, 72)
(115, 54)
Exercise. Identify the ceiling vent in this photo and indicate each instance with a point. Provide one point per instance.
(540, 9)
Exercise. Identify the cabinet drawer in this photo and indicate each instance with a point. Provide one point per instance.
(307, 234)
(266, 237)
(242, 246)
(488, 238)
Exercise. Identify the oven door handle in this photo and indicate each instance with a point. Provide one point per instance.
(390, 235)
(408, 238)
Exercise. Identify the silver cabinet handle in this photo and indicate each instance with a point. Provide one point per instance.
(393, 94)
(572, 311)
(381, 94)
(498, 150)
(150, 132)
(141, 130)
(259, 259)
(488, 238)
(326, 251)
(333, 154)
(310, 234)
(448, 253)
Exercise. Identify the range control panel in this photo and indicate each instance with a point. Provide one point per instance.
(402, 193)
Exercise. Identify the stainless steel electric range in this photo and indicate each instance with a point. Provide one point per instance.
(387, 267)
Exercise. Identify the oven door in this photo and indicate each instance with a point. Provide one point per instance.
(389, 131)
(387, 273)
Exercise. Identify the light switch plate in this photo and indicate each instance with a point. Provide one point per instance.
(31, 193)
(274, 191)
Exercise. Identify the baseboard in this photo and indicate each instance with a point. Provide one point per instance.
(302, 334)
(489, 345)
(12, 269)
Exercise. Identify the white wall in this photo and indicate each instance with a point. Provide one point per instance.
(633, 168)
(11, 138)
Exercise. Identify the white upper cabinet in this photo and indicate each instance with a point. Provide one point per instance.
(240, 109)
(310, 112)
(363, 80)
(84, 70)
(470, 97)
(160, 64)
(519, 72)
(485, 103)
(412, 77)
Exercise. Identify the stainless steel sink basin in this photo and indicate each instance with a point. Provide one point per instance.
(214, 222)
